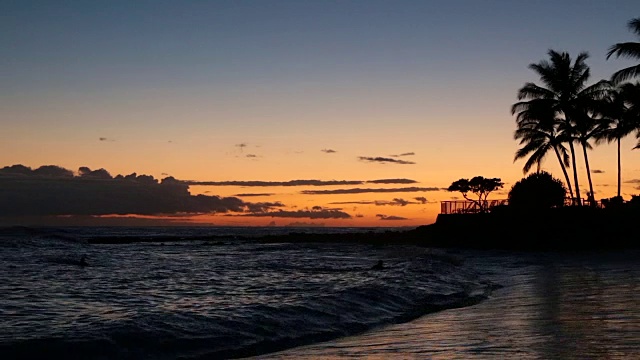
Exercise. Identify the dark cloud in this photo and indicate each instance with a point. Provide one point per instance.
(263, 207)
(384, 160)
(595, 171)
(633, 181)
(251, 155)
(362, 191)
(85, 172)
(403, 154)
(241, 146)
(106, 139)
(51, 190)
(392, 181)
(422, 199)
(258, 183)
(394, 202)
(311, 214)
(390, 217)
(45, 171)
(254, 194)
(328, 151)
(275, 183)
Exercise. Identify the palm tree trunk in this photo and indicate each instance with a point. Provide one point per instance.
(586, 163)
(619, 169)
(564, 171)
(575, 173)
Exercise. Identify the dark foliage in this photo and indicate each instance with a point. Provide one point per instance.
(537, 191)
(480, 186)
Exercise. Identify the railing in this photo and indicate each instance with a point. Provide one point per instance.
(469, 207)
(585, 202)
(473, 207)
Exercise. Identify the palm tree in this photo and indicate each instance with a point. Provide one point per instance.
(565, 94)
(627, 50)
(587, 128)
(622, 117)
(538, 133)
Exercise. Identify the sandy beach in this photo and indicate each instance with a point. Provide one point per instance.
(550, 306)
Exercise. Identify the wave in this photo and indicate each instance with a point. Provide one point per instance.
(264, 331)
(195, 301)
(255, 329)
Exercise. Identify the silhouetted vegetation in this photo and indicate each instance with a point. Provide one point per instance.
(627, 50)
(566, 110)
(538, 191)
(564, 106)
(479, 186)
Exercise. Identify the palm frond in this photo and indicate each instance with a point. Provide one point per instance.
(634, 25)
(626, 74)
(625, 50)
(533, 91)
(536, 158)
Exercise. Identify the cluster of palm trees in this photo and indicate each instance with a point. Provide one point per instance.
(567, 112)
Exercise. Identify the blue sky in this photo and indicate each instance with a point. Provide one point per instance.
(172, 87)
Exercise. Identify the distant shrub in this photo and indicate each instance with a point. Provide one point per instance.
(635, 201)
(613, 203)
(537, 191)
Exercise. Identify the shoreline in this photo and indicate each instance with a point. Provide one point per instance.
(561, 229)
(550, 307)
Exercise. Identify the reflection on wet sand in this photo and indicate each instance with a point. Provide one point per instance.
(552, 307)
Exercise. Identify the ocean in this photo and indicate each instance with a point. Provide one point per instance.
(210, 293)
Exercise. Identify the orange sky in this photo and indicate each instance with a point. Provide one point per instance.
(134, 89)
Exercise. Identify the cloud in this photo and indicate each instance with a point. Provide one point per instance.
(384, 160)
(263, 207)
(392, 181)
(241, 146)
(404, 154)
(251, 155)
(254, 194)
(362, 191)
(595, 171)
(328, 151)
(633, 181)
(390, 217)
(85, 172)
(51, 190)
(311, 214)
(258, 183)
(275, 183)
(394, 202)
(422, 199)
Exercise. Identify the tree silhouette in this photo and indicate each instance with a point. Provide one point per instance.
(627, 50)
(587, 127)
(479, 186)
(565, 94)
(622, 117)
(537, 191)
(539, 134)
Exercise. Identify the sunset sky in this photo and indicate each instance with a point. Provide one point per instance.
(275, 91)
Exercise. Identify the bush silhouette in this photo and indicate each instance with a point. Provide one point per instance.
(537, 191)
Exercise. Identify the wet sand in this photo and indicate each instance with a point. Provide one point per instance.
(551, 306)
